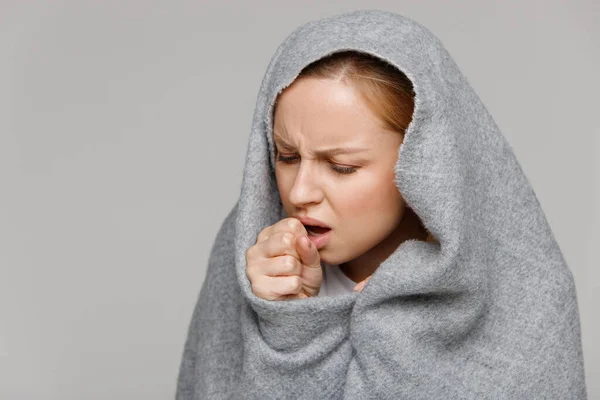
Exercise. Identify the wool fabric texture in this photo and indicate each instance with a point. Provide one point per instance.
(489, 311)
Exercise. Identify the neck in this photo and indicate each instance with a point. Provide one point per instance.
(410, 227)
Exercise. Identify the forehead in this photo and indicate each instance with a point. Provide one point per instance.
(323, 111)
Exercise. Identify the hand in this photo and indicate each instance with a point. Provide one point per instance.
(361, 285)
(284, 264)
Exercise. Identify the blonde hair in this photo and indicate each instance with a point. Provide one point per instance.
(387, 91)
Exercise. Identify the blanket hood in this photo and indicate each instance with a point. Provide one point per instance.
(495, 287)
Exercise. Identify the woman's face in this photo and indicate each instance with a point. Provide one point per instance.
(352, 192)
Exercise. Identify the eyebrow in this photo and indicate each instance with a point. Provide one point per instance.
(323, 153)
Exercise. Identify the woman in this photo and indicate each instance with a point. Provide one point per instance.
(486, 310)
(342, 99)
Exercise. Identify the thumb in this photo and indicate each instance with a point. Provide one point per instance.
(309, 255)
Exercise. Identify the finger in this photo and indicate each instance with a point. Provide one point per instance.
(279, 244)
(282, 266)
(275, 287)
(309, 255)
(292, 225)
(285, 285)
(266, 233)
(296, 227)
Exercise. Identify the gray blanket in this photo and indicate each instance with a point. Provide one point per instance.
(489, 312)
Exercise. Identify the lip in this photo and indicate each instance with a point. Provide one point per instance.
(313, 222)
(320, 240)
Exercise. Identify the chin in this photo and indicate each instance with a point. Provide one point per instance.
(328, 256)
(332, 257)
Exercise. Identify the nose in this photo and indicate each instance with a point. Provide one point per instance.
(307, 187)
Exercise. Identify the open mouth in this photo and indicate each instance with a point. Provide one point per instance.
(316, 230)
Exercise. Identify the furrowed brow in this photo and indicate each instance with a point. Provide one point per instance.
(323, 153)
(281, 142)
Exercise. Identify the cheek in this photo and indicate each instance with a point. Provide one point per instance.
(284, 184)
(280, 182)
(369, 196)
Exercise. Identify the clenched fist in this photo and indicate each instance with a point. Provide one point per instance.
(284, 264)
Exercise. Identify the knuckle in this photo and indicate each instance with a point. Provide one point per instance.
(256, 290)
(264, 234)
(287, 238)
(250, 271)
(296, 283)
(290, 263)
(250, 276)
(293, 224)
(261, 289)
(250, 253)
(297, 227)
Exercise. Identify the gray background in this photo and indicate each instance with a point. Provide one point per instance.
(123, 132)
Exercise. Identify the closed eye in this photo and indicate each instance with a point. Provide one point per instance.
(338, 169)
